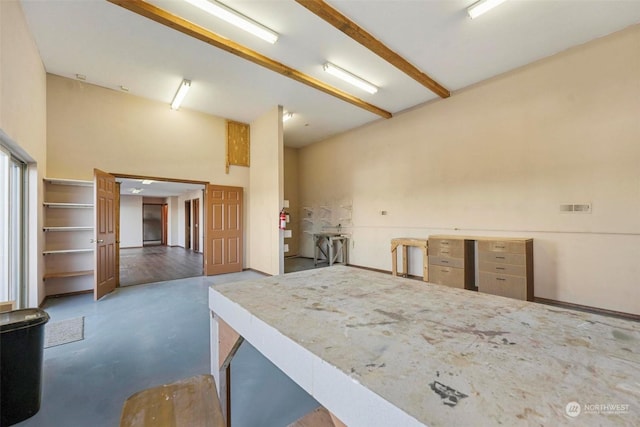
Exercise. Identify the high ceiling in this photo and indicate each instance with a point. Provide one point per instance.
(114, 47)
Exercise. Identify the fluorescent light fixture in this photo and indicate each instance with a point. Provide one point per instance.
(286, 116)
(180, 94)
(147, 181)
(233, 17)
(482, 7)
(350, 78)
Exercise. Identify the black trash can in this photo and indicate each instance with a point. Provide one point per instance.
(21, 347)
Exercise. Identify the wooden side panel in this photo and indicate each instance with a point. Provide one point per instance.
(237, 144)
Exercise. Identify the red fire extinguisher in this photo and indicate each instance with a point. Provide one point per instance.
(283, 219)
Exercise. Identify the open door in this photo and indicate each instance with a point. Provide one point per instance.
(105, 198)
(196, 225)
(223, 230)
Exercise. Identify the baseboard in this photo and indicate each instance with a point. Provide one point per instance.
(66, 294)
(408, 276)
(546, 301)
(588, 309)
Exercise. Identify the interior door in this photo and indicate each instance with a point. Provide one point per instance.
(223, 230)
(187, 224)
(105, 233)
(196, 225)
(117, 216)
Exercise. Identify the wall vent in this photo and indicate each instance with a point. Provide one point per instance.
(575, 208)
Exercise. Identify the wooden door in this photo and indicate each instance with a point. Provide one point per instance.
(187, 224)
(223, 230)
(165, 223)
(196, 225)
(117, 216)
(105, 233)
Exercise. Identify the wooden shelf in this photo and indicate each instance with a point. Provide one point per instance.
(67, 251)
(68, 205)
(68, 274)
(67, 228)
(76, 182)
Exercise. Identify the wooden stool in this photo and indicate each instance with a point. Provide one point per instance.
(406, 242)
(186, 403)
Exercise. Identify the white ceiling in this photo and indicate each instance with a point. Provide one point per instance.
(115, 47)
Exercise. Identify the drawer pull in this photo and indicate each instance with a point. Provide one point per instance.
(499, 257)
(499, 268)
(444, 261)
(443, 271)
(501, 279)
(499, 247)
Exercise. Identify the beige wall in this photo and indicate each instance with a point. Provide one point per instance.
(23, 123)
(93, 127)
(266, 193)
(498, 159)
(291, 194)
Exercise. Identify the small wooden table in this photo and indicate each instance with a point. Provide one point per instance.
(405, 242)
(185, 403)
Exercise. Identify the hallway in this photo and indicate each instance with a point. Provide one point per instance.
(158, 264)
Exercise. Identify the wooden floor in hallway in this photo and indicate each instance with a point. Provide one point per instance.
(157, 264)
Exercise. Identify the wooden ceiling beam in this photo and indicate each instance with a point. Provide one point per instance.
(359, 34)
(164, 17)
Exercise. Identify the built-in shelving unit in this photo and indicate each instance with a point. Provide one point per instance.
(68, 226)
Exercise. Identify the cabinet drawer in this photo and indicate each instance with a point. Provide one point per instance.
(494, 267)
(502, 246)
(453, 277)
(502, 258)
(446, 251)
(446, 261)
(452, 245)
(503, 285)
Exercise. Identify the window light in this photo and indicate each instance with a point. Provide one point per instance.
(350, 78)
(233, 17)
(180, 94)
(482, 7)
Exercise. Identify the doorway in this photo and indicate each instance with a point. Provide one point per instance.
(158, 222)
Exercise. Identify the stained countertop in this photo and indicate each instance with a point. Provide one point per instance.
(441, 356)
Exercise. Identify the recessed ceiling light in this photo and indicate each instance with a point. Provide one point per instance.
(147, 181)
(81, 77)
(233, 17)
(350, 78)
(136, 190)
(482, 7)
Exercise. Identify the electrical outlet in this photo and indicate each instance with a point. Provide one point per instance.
(383, 212)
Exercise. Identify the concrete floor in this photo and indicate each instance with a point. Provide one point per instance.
(143, 336)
